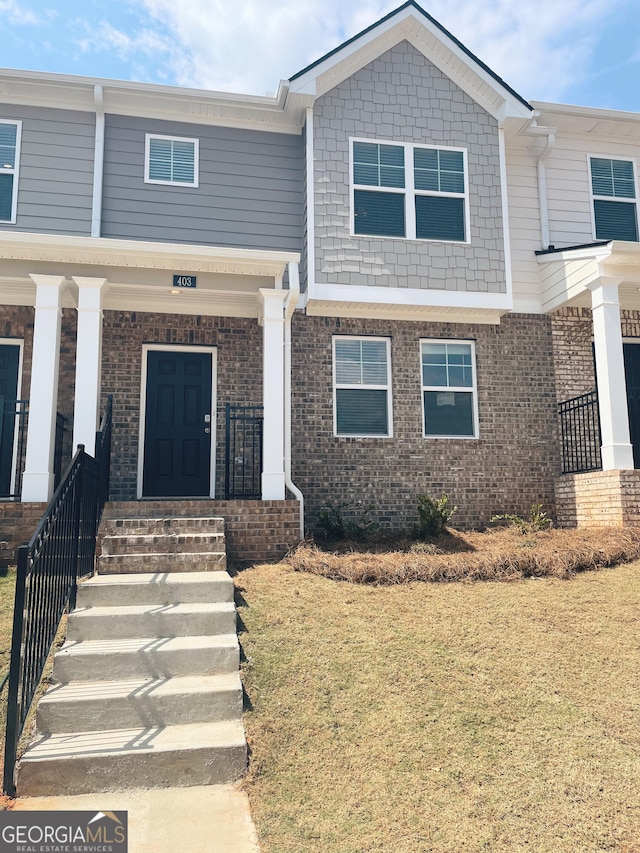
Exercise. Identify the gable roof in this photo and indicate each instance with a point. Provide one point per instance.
(410, 22)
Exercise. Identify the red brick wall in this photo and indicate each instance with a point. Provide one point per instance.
(239, 377)
(512, 465)
(599, 499)
(255, 531)
(572, 330)
(17, 525)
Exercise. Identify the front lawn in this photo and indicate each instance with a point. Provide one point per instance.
(443, 717)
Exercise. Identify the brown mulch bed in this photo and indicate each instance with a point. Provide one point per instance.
(499, 554)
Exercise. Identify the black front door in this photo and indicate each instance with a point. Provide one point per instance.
(632, 374)
(178, 415)
(9, 360)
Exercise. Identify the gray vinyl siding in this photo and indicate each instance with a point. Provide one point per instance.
(249, 193)
(402, 97)
(55, 184)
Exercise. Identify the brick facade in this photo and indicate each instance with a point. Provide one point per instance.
(572, 330)
(18, 523)
(402, 97)
(238, 380)
(512, 465)
(254, 530)
(599, 499)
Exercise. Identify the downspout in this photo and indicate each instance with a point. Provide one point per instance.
(98, 163)
(542, 181)
(290, 307)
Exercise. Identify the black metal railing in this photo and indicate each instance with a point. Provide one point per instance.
(13, 443)
(60, 551)
(14, 415)
(243, 452)
(580, 432)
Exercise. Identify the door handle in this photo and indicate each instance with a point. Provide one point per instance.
(207, 429)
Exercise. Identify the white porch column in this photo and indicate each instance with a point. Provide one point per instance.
(88, 361)
(271, 318)
(617, 452)
(37, 480)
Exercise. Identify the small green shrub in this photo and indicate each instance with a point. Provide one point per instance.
(434, 514)
(335, 524)
(537, 520)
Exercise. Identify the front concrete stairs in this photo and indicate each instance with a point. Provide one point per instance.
(147, 690)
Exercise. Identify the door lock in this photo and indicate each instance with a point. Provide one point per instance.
(207, 419)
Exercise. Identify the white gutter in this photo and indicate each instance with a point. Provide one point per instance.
(550, 133)
(290, 307)
(98, 163)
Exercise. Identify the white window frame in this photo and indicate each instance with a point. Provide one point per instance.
(341, 386)
(15, 171)
(595, 198)
(473, 390)
(196, 160)
(409, 191)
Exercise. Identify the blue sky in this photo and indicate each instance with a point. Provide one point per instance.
(572, 51)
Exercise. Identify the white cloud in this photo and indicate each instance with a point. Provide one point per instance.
(540, 47)
(12, 12)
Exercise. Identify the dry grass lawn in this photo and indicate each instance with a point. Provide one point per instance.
(449, 718)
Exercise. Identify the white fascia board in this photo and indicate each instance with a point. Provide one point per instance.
(148, 100)
(371, 297)
(18, 245)
(407, 24)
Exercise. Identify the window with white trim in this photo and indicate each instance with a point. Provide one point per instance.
(362, 386)
(414, 191)
(449, 397)
(171, 160)
(10, 132)
(613, 189)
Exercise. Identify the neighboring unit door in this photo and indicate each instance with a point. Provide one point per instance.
(632, 374)
(9, 361)
(178, 415)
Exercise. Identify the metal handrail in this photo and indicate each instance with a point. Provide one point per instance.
(61, 550)
(580, 434)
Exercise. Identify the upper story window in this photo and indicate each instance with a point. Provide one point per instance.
(9, 162)
(449, 389)
(414, 191)
(613, 188)
(362, 386)
(171, 160)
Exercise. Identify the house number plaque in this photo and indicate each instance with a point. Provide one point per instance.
(185, 281)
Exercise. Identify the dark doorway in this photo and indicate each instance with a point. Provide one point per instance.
(632, 374)
(9, 361)
(178, 424)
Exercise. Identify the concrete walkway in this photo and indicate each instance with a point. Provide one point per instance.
(207, 819)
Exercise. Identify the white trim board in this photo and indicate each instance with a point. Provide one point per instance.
(146, 348)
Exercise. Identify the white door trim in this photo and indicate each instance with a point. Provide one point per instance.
(146, 349)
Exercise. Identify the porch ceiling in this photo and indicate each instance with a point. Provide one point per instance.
(566, 274)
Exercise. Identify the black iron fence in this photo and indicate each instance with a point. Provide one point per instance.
(14, 415)
(580, 431)
(60, 551)
(243, 452)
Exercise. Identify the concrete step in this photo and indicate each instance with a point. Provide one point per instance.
(147, 657)
(155, 588)
(163, 543)
(141, 757)
(161, 562)
(151, 620)
(157, 524)
(104, 705)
